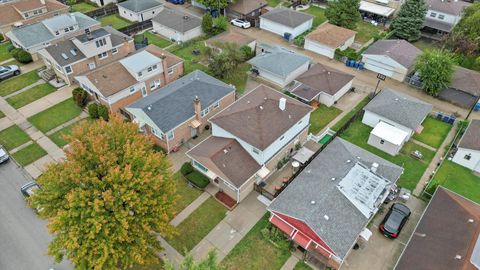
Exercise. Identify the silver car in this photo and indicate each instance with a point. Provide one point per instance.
(3, 155)
(8, 71)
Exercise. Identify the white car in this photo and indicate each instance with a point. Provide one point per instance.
(241, 23)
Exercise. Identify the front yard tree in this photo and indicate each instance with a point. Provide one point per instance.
(436, 69)
(343, 13)
(409, 21)
(108, 199)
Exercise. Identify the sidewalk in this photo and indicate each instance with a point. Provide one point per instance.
(46, 101)
(189, 209)
(290, 263)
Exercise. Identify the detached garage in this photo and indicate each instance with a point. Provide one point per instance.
(176, 25)
(282, 20)
(139, 10)
(327, 38)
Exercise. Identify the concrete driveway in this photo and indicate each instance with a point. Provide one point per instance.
(23, 236)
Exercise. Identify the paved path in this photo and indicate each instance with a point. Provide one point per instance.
(189, 209)
(31, 66)
(82, 115)
(46, 101)
(169, 253)
(25, 88)
(290, 263)
(424, 145)
(6, 61)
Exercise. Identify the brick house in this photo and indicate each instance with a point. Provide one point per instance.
(181, 110)
(79, 55)
(120, 83)
(253, 134)
(26, 12)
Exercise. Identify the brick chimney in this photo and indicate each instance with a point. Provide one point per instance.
(198, 108)
(165, 68)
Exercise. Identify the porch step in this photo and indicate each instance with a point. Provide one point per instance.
(47, 75)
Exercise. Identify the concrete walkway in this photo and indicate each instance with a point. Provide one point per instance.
(169, 253)
(31, 66)
(6, 61)
(290, 263)
(25, 89)
(424, 145)
(82, 116)
(46, 101)
(189, 209)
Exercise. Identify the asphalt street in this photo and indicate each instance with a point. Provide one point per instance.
(23, 236)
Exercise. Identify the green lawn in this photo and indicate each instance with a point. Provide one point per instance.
(30, 95)
(239, 79)
(365, 31)
(351, 113)
(83, 7)
(155, 39)
(29, 154)
(13, 62)
(434, 132)
(4, 54)
(13, 137)
(18, 82)
(321, 117)
(255, 252)
(2, 114)
(302, 266)
(115, 21)
(319, 15)
(425, 44)
(358, 134)
(273, 3)
(186, 192)
(55, 116)
(191, 61)
(196, 226)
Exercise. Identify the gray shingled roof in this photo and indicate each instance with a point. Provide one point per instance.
(140, 5)
(173, 104)
(453, 7)
(287, 17)
(471, 137)
(177, 20)
(315, 183)
(398, 49)
(279, 61)
(400, 108)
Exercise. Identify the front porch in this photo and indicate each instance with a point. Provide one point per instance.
(179, 157)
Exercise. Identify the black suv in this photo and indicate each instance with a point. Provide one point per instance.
(393, 222)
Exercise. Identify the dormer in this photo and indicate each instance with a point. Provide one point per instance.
(61, 25)
(30, 9)
(93, 43)
(143, 65)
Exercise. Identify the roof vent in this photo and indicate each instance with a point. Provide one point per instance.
(396, 99)
(328, 72)
(326, 217)
(149, 107)
(225, 150)
(458, 257)
(185, 17)
(73, 52)
(248, 101)
(333, 178)
(64, 56)
(348, 161)
(374, 167)
(261, 107)
(282, 103)
(470, 220)
(312, 202)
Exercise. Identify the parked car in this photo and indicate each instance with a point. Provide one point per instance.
(394, 221)
(177, 2)
(4, 157)
(8, 71)
(241, 23)
(29, 188)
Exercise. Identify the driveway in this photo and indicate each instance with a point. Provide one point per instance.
(23, 236)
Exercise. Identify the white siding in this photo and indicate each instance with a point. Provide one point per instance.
(280, 29)
(385, 65)
(177, 36)
(386, 146)
(371, 119)
(474, 161)
(329, 100)
(283, 81)
(319, 48)
(127, 14)
(448, 18)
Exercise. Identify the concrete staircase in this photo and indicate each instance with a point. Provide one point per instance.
(47, 74)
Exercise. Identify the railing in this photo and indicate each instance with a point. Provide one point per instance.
(103, 11)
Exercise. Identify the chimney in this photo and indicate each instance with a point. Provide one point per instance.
(197, 108)
(374, 167)
(282, 103)
(165, 68)
(42, 1)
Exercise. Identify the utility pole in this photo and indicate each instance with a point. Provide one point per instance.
(473, 107)
(380, 77)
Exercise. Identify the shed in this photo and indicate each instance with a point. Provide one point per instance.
(327, 38)
(387, 138)
(177, 25)
(283, 21)
(139, 10)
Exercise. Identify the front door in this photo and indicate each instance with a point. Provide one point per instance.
(193, 132)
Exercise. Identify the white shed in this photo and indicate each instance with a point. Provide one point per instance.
(139, 10)
(388, 138)
(327, 38)
(177, 25)
(283, 21)
(468, 149)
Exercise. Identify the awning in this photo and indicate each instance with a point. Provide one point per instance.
(301, 239)
(303, 155)
(434, 24)
(385, 2)
(263, 172)
(376, 9)
(280, 224)
(195, 123)
(390, 133)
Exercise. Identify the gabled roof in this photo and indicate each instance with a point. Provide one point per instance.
(439, 25)
(172, 105)
(287, 17)
(400, 108)
(331, 35)
(450, 226)
(453, 7)
(318, 79)
(471, 137)
(246, 6)
(466, 80)
(9, 14)
(399, 50)
(313, 194)
(257, 119)
(177, 20)
(279, 61)
(140, 5)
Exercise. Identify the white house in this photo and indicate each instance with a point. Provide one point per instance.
(327, 38)
(283, 21)
(468, 149)
(245, 146)
(177, 25)
(394, 58)
(279, 65)
(395, 117)
(442, 16)
(139, 10)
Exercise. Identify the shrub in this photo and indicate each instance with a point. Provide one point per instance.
(103, 112)
(207, 23)
(221, 23)
(186, 168)
(248, 53)
(349, 53)
(10, 48)
(299, 41)
(21, 55)
(159, 149)
(80, 97)
(198, 179)
(1, 38)
(93, 110)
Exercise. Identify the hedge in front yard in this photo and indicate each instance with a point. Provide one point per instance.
(198, 179)
(186, 168)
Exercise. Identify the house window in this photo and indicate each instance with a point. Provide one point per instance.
(204, 112)
(467, 157)
(57, 33)
(71, 28)
(139, 74)
(124, 12)
(154, 84)
(100, 42)
(170, 135)
(433, 14)
(170, 70)
(256, 151)
(103, 55)
(91, 66)
(149, 69)
(382, 141)
(153, 12)
(68, 69)
(200, 166)
(299, 122)
(132, 89)
(281, 138)
(66, 30)
(154, 67)
(441, 16)
(216, 104)
(26, 15)
(35, 12)
(144, 91)
(114, 50)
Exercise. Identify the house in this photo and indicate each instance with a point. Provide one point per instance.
(394, 58)
(463, 90)
(249, 10)
(468, 149)
(177, 25)
(40, 35)
(286, 22)
(19, 13)
(180, 111)
(441, 17)
(78, 55)
(394, 117)
(231, 37)
(127, 80)
(329, 204)
(139, 10)
(323, 84)
(327, 38)
(249, 138)
(279, 65)
(447, 236)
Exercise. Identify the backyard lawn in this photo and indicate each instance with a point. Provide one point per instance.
(358, 134)
(302, 266)
(318, 14)
(2, 114)
(30, 95)
(240, 78)
(16, 83)
(115, 21)
(365, 31)
(55, 116)
(187, 194)
(434, 132)
(153, 39)
(273, 3)
(196, 226)
(29, 154)
(256, 252)
(458, 179)
(4, 53)
(351, 113)
(83, 7)
(13, 137)
(321, 117)
(191, 61)
(425, 44)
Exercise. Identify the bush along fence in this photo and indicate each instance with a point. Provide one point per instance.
(132, 29)
(193, 176)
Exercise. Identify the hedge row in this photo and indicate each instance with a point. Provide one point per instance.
(194, 176)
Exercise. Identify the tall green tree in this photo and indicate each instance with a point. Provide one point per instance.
(410, 20)
(209, 263)
(214, 4)
(465, 36)
(225, 63)
(106, 202)
(436, 69)
(344, 13)
(207, 23)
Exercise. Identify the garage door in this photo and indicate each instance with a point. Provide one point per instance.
(375, 67)
(318, 48)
